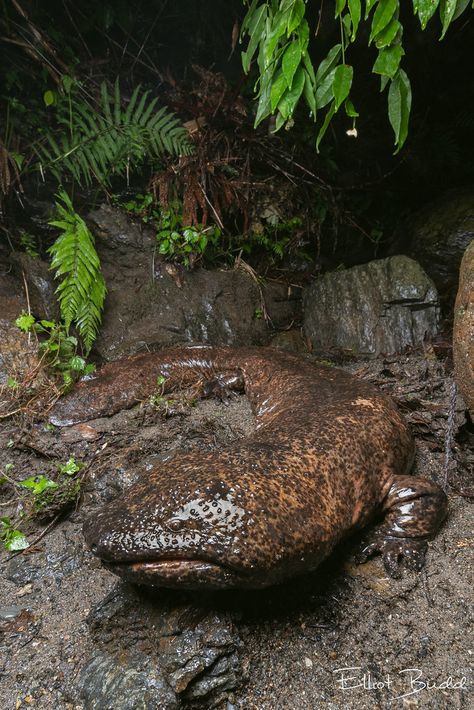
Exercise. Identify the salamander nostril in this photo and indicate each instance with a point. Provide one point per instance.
(175, 524)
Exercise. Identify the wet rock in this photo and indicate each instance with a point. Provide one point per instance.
(16, 353)
(106, 684)
(463, 332)
(440, 234)
(196, 649)
(20, 571)
(289, 340)
(12, 300)
(117, 231)
(41, 285)
(10, 612)
(151, 303)
(202, 660)
(381, 307)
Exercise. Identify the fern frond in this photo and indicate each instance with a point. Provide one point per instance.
(100, 142)
(89, 315)
(82, 290)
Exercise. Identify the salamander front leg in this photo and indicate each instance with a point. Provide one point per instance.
(415, 509)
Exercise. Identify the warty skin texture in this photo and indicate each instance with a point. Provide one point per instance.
(329, 453)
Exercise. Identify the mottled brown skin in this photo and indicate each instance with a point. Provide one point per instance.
(329, 453)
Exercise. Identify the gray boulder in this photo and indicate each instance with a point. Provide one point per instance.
(380, 307)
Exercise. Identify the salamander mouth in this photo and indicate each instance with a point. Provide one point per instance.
(175, 573)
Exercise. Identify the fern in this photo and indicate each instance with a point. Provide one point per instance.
(111, 140)
(82, 290)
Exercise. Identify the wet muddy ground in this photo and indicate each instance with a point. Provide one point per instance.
(74, 636)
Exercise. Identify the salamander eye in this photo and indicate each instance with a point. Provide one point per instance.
(174, 524)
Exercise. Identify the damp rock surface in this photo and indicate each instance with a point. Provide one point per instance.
(384, 306)
(440, 233)
(151, 303)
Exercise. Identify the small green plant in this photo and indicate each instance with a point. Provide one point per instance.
(176, 242)
(12, 383)
(51, 494)
(42, 496)
(25, 321)
(58, 349)
(82, 289)
(29, 244)
(11, 538)
(274, 239)
(70, 468)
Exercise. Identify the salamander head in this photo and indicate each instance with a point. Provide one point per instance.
(177, 535)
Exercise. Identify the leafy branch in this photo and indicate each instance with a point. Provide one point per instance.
(278, 33)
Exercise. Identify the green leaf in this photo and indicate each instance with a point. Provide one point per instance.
(324, 92)
(38, 484)
(264, 107)
(425, 10)
(383, 82)
(290, 99)
(309, 94)
(290, 62)
(279, 86)
(248, 18)
(70, 467)
(388, 61)
(77, 363)
(324, 127)
(297, 14)
(67, 82)
(460, 7)
(18, 158)
(275, 34)
(328, 63)
(399, 105)
(15, 540)
(340, 5)
(382, 16)
(25, 321)
(355, 13)
(368, 6)
(49, 98)
(447, 10)
(387, 36)
(350, 109)
(342, 83)
(302, 36)
(255, 28)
